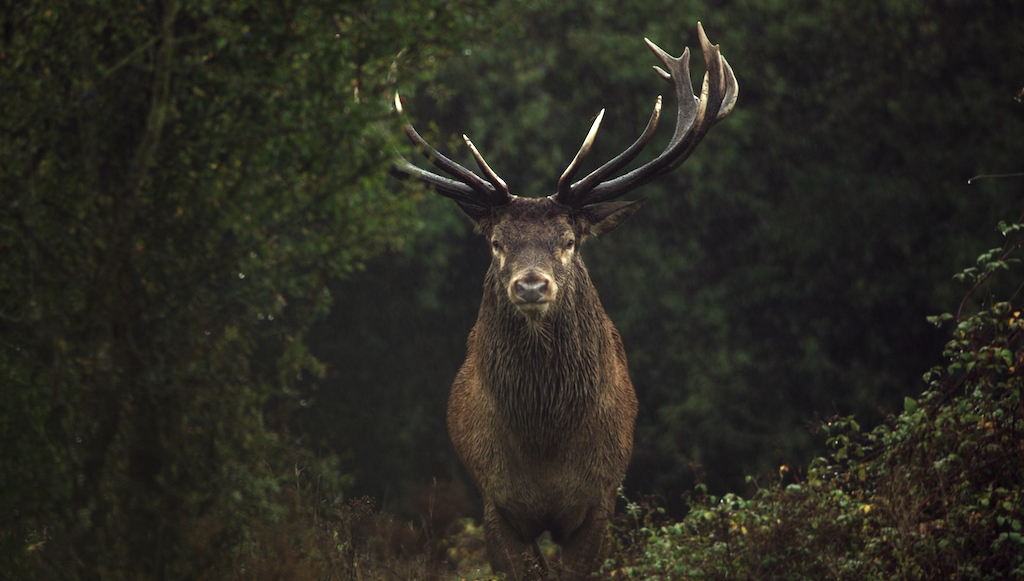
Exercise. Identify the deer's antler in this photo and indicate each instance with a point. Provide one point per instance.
(467, 187)
(695, 118)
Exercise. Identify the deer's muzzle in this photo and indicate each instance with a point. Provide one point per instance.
(532, 292)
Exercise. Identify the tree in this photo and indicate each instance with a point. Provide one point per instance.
(179, 182)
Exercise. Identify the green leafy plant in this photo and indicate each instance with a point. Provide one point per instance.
(935, 492)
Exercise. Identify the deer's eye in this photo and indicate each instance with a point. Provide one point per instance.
(496, 246)
(570, 243)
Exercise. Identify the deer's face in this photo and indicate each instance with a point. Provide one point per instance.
(533, 251)
(534, 244)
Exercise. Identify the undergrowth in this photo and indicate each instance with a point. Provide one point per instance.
(935, 492)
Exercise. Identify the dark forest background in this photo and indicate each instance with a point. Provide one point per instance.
(219, 315)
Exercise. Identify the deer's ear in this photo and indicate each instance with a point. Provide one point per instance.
(477, 213)
(603, 218)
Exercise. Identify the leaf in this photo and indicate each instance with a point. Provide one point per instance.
(909, 405)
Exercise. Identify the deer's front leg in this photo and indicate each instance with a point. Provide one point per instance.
(587, 545)
(507, 550)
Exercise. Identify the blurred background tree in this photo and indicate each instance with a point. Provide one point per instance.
(784, 272)
(178, 183)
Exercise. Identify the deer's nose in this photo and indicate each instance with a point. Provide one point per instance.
(532, 288)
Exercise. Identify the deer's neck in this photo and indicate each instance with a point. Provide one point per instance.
(544, 376)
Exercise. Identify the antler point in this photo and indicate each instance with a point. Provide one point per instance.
(705, 42)
(492, 177)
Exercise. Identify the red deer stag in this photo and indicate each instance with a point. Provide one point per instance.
(541, 412)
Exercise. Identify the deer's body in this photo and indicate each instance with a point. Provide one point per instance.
(541, 412)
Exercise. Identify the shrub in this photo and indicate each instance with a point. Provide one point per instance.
(936, 491)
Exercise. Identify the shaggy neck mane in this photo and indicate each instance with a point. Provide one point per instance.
(543, 374)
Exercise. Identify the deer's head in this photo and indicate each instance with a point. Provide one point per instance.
(534, 241)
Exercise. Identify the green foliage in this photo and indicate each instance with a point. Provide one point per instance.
(936, 492)
(784, 272)
(185, 187)
(179, 180)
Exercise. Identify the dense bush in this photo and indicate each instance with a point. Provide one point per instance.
(936, 492)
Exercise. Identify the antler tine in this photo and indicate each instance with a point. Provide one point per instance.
(678, 74)
(498, 183)
(564, 182)
(403, 169)
(727, 86)
(695, 117)
(467, 187)
(581, 188)
(447, 165)
(718, 96)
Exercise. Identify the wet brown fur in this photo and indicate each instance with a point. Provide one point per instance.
(542, 411)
